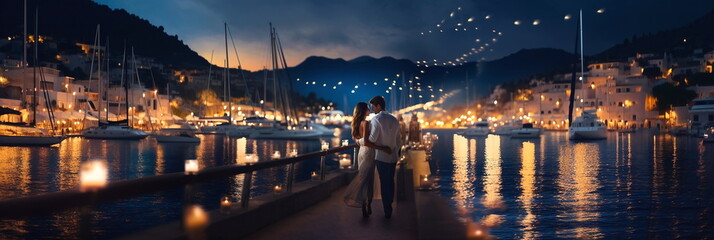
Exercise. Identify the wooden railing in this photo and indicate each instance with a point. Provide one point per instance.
(61, 200)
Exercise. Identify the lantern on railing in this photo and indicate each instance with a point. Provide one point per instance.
(293, 153)
(278, 189)
(314, 176)
(191, 167)
(93, 175)
(424, 182)
(195, 221)
(325, 145)
(226, 204)
(276, 155)
(250, 158)
(345, 161)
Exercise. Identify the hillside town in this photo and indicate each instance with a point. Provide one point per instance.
(622, 94)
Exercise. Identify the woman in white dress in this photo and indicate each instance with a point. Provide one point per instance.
(359, 192)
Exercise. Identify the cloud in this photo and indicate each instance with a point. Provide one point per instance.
(352, 28)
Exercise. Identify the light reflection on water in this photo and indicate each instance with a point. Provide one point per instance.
(27, 171)
(638, 185)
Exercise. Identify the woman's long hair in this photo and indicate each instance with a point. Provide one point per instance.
(359, 115)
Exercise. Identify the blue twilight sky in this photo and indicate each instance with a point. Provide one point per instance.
(352, 28)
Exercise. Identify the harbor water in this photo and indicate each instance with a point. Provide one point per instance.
(28, 171)
(630, 186)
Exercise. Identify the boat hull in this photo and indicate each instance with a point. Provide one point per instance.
(587, 133)
(525, 133)
(475, 132)
(30, 140)
(287, 134)
(114, 133)
(177, 139)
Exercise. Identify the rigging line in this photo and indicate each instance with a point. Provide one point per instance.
(285, 69)
(240, 69)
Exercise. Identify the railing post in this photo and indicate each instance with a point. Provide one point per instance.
(322, 168)
(245, 193)
(291, 177)
(355, 163)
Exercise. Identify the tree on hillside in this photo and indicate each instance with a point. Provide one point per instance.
(670, 95)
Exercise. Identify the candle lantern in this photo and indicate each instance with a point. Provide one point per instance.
(276, 155)
(314, 176)
(345, 142)
(424, 182)
(191, 167)
(293, 153)
(226, 204)
(195, 220)
(325, 145)
(278, 189)
(345, 161)
(251, 158)
(93, 175)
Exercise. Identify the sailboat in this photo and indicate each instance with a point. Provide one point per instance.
(480, 129)
(120, 130)
(20, 134)
(289, 130)
(587, 126)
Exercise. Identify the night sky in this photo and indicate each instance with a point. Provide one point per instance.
(351, 28)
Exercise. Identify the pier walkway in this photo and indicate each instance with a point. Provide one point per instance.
(331, 219)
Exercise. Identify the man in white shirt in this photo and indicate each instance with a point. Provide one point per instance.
(384, 131)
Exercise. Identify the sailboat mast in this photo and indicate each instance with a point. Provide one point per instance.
(572, 79)
(106, 83)
(273, 61)
(582, 63)
(34, 76)
(24, 38)
(228, 73)
(125, 80)
(99, 72)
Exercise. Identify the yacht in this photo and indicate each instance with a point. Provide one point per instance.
(331, 118)
(11, 135)
(480, 129)
(506, 129)
(279, 132)
(701, 116)
(709, 135)
(324, 131)
(526, 131)
(181, 134)
(587, 127)
(114, 131)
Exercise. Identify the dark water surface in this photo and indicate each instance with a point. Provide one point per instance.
(27, 171)
(630, 186)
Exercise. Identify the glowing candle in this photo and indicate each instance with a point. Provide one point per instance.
(345, 162)
(276, 155)
(226, 203)
(314, 176)
(195, 219)
(191, 166)
(278, 189)
(325, 145)
(345, 142)
(424, 182)
(93, 175)
(293, 153)
(251, 158)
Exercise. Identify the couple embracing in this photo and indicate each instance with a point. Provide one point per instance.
(380, 142)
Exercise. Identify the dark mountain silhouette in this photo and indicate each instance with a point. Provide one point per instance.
(364, 71)
(679, 41)
(72, 21)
